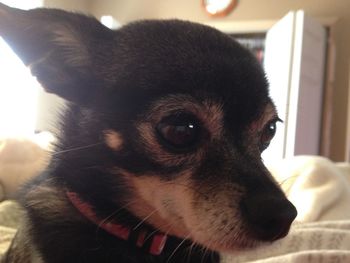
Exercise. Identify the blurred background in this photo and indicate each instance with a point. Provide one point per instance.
(303, 45)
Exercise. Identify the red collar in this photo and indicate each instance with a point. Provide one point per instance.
(118, 230)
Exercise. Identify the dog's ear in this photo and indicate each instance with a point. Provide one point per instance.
(61, 48)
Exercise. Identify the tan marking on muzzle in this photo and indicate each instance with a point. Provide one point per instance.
(162, 204)
(202, 213)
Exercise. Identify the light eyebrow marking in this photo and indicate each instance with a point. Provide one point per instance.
(113, 139)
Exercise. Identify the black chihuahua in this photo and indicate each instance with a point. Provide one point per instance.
(159, 155)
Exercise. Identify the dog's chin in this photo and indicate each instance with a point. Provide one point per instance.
(228, 245)
(224, 245)
(231, 246)
(218, 242)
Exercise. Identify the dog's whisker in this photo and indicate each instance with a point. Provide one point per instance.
(212, 256)
(204, 254)
(144, 219)
(112, 215)
(287, 179)
(156, 230)
(77, 148)
(178, 247)
(169, 226)
(206, 249)
(190, 251)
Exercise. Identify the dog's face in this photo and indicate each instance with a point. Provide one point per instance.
(181, 109)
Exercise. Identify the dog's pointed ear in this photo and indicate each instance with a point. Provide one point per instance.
(59, 47)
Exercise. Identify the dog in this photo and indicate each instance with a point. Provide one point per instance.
(159, 156)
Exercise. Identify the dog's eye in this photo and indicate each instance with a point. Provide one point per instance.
(267, 134)
(179, 132)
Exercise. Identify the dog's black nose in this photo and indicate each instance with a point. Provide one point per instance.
(268, 218)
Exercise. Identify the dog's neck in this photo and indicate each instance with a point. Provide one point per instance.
(153, 242)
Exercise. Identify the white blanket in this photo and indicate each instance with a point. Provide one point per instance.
(20, 160)
(320, 190)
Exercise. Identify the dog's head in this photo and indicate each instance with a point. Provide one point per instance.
(176, 114)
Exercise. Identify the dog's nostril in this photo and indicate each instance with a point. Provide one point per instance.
(268, 218)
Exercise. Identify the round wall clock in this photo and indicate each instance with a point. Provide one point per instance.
(219, 7)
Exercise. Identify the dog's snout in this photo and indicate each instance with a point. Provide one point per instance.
(268, 218)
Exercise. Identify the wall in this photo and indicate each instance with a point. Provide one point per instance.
(128, 10)
(80, 5)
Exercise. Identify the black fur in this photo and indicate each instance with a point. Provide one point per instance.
(111, 80)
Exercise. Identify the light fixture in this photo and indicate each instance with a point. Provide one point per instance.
(217, 8)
